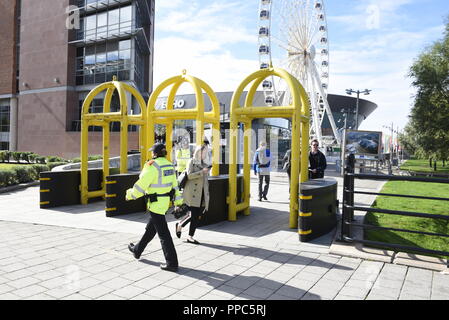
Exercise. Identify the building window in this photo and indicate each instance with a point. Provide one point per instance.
(104, 25)
(101, 62)
(4, 145)
(97, 107)
(4, 125)
(4, 118)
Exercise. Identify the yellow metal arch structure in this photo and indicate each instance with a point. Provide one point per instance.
(103, 120)
(168, 115)
(298, 111)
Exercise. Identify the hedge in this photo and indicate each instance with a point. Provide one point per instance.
(8, 178)
(22, 174)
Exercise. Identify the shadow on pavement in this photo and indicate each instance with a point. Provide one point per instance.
(274, 256)
(238, 284)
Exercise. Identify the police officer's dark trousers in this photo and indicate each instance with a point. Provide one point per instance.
(158, 224)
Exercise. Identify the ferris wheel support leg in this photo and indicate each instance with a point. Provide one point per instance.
(316, 116)
(327, 108)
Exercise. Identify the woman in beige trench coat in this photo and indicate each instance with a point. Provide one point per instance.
(196, 191)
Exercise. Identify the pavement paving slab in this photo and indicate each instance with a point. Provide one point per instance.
(77, 253)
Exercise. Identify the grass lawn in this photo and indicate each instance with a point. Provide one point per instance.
(423, 166)
(411, 223)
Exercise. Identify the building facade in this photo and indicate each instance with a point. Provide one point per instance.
(54, 53)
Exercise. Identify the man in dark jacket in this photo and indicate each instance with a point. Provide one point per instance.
(317, 162)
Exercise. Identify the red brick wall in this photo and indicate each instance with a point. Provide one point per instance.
(42, 129)
(8, 47)
(44, 117)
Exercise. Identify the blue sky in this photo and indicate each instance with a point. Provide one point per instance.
(372, 45)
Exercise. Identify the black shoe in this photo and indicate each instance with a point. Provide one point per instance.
(193, 242)
(178, 233)
(166, 267)
(260, 199)
(265, 198)
(131, 248)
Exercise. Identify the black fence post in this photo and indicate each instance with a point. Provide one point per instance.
(344, 226)
(348, 197)
(351, 169)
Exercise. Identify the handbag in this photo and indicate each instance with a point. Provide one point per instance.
(182, 211)
(182, 179)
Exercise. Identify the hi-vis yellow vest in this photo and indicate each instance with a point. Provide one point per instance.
(182, 158)
(158, 176)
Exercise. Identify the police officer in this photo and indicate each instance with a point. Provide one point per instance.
(182, 157)
(158, 181)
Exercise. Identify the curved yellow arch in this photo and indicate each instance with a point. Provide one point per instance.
(103, 120)
(298, 111)
(168, 115)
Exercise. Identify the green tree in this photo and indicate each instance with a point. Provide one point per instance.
(427, 132)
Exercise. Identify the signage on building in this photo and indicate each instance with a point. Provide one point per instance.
(177, 104)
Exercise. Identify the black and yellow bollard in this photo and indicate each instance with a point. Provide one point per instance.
(62, 188)
(305, 213)
(116, 186)
(318, 208)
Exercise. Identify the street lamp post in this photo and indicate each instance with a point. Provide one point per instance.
(358, 92)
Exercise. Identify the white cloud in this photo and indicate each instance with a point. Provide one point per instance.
(198, 38)
(168, 4)
(219, 68)
(381, 62)
(372, 15)
(218, 21)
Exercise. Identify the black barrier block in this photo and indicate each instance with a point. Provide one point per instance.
(218, 192)
(116, 186)
(62, 188)
(224, 169)
(318, 215)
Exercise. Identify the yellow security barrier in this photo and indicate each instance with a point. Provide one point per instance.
(169, 115)
(104, 119)
(298, 111)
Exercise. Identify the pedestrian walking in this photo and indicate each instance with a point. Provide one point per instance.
(317, 162)
(261, 165)
(196, 191)
(158, 181)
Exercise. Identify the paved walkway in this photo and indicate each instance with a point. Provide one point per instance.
(77, 253)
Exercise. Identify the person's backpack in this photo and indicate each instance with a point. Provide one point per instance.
(182, 179)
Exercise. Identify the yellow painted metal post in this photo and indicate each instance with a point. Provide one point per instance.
(216, 137)
(106, 136)
(294, 181)
(305, 124)
(247, 166)
(232, 201)
(84, 159)
(123, 128)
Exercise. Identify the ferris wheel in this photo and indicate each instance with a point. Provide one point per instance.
(293, 35)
